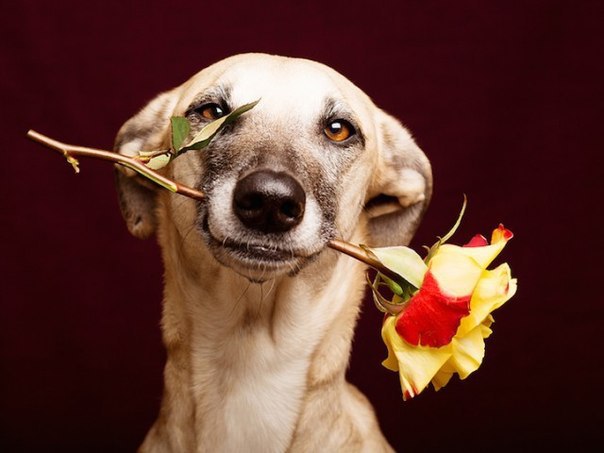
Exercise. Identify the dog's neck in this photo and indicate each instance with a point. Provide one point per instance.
(243, 356)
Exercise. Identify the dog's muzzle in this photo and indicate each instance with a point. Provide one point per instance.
(272, 227)
(269, 201)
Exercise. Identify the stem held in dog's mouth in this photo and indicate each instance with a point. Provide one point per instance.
(363, 255)
(71, 152)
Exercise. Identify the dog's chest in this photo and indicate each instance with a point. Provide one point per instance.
(250, 386)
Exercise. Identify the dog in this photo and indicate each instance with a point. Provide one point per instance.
(258, 313)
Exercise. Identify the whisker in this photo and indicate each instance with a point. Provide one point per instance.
(240, 298)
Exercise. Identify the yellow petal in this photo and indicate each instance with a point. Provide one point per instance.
(482, 255)
(417, 365)
(456, 273)
(485, 327)
(389, 336)
(443, 376)
(468, 352)
(501, 234)
(467, 355)
(494, 288)
(486, 254)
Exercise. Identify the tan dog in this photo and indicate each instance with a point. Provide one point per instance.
(258, 314)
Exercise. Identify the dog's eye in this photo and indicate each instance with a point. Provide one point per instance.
(211, 111)
(339, 130)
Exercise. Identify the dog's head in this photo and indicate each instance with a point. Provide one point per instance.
(314, 160)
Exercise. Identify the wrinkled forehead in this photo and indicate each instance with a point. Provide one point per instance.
(285, 86)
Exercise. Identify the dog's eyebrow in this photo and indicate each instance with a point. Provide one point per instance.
(220, 94)
(334, 108)
(337, 109)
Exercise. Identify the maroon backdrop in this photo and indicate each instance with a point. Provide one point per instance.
(504, 97)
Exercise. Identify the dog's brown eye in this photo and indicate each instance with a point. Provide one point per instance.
(211, 111)
(339, 130)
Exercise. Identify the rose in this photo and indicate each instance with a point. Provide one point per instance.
(440, 329)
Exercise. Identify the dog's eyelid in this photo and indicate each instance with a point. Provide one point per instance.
(202, 104)
(218, 95)
(348, 121)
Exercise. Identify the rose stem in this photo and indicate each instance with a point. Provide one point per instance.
(360, 254)
(347, 248)
(120, 159)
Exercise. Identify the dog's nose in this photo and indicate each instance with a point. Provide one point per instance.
(269, 201)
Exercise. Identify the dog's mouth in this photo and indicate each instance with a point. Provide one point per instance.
(257, 259)
(259, 253)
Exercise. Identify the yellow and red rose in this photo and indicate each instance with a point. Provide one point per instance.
(441, 324)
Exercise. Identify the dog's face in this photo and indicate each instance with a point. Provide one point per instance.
(314, 160)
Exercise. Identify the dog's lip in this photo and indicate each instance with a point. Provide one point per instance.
(260, 252)
(255, 252)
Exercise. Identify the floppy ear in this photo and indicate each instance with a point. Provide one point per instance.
(401, 188)
(145, 131)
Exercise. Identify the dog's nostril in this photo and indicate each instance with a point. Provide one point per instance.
(291, 209)
(269, 201)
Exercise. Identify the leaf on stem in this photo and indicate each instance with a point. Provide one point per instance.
(180, 131)
(203, 138)
(180, 128)
(402, 260)
(160, 161)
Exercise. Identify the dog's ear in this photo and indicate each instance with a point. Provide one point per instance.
(401, 187)
(145, 131)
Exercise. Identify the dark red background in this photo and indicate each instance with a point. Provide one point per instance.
(504, 97)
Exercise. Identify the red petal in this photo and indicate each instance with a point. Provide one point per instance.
(432, 318)
(507, 234)
(477, 241)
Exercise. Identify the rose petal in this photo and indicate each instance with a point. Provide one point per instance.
(477, 241)
(486, 326)
(455, 272)
(468, 352)
(493, 289)
(501, 233)
(483, 255)
(467, 355)
(416, 365)
(431, 317)
(443, 376)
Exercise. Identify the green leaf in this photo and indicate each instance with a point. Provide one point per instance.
(394, 287)
(404, 261)
(205, 136)
(382, 304)
(159, 161)
(180, 131)
(170, 185)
